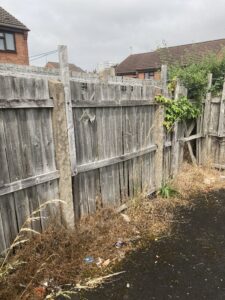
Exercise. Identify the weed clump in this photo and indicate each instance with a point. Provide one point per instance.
(53, 262)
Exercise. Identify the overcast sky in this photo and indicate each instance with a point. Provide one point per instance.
(105, 30)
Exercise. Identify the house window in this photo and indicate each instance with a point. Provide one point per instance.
(7, 42)
(149, 75)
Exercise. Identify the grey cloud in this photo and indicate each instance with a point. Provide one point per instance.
(99, 30)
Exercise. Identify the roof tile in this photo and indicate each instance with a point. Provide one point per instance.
(7, 20)
(180, 54)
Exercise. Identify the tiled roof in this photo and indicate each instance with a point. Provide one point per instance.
(72, 67)
(7, 20)
(180, 54)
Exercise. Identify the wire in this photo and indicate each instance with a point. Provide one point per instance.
(44, 53)
(41, 55)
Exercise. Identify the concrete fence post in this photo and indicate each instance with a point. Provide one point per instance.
(61, 142)
(65, 79)
(64, 137)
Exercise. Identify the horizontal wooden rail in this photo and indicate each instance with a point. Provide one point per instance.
(28, 182)
(191, 137)
(216, 135)
(125, 103)
(111, 161)
(216, 100)
(27, 103)
(220, 167)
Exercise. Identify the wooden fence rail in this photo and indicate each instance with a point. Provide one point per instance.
(92, 142)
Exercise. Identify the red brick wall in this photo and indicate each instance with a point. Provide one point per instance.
(157, 75)
(141, 75)
(21, 55)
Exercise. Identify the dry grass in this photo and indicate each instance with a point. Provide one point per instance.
(56, 258)
(194, 179)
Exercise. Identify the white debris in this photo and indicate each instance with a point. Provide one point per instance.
(121, 208)
(126, 218)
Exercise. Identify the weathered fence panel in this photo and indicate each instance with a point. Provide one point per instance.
(114, 127)
(28, 175)
(90, 141)
(217, 131)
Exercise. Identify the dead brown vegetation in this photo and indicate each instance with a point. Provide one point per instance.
(55, 258)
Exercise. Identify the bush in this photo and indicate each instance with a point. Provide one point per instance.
(194, 76)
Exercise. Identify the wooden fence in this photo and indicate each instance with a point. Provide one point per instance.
(92, 142)
(28, 174)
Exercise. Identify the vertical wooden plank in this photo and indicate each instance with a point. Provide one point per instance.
(2, 235)
(159, 141)
(222, 152)
(159, 133)
(221, 114)
(130, 146)
(15, 170)
(118, 168)
(4, 174)
(199, 142)
(48, 150)
(139, 160)
(22, 208)
(7, 205)
(32, 161)
(8, 216)
(34, 204)
(206, 117)
(51, 214)
(175, 142)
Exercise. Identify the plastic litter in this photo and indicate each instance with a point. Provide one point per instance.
(89, 259)
(120, 244)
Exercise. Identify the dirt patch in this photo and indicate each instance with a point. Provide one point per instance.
(56, 258)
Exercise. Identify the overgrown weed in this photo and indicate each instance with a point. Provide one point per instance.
(54, 259)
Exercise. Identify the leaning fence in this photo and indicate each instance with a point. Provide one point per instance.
(92, 142)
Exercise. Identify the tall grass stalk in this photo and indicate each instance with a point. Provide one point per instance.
(20, 239)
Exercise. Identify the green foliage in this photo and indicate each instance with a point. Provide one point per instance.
(194, 75)
(166, 191)
(179, 110)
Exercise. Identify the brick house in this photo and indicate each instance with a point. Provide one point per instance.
(13, 40)
(55, 65)
(148, 65)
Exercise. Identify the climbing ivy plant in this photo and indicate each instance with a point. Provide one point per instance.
(192, 72)
(179, 110)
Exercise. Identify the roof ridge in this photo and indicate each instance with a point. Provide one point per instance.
(194, 43)
(152, 60)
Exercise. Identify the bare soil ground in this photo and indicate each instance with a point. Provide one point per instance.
(54, 261)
